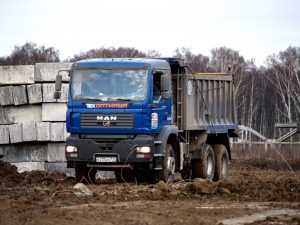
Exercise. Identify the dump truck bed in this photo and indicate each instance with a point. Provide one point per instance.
(209, 103)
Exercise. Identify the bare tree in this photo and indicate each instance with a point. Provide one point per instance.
(199, 63)
(121, 52)
(29, 54)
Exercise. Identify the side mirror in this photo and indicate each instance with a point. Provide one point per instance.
(57, 95)
(164, 83)
(58, 84)
(165, 86)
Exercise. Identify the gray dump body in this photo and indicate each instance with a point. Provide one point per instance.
(214, 110)
(204, 101)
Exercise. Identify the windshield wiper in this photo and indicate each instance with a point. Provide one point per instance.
(123, 99)
(89, 98)
(118, 99)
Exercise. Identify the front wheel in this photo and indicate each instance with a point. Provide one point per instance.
(205, 167)
(168, 166)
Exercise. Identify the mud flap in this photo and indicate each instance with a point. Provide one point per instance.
(157, 162)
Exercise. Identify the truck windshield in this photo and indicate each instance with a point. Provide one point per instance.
(109, 85)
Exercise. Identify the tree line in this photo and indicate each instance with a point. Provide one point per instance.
(265, 95)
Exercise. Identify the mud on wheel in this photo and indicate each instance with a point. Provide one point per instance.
(168, 166)
(205, 167)
(222, 162)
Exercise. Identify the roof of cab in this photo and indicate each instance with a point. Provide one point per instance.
(123, 62)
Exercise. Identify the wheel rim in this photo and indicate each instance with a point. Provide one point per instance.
(224, 166)
(210, 165)
(171, 168)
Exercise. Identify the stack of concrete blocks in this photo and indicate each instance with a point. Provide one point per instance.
(32, 122)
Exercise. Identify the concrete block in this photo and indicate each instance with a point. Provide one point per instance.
(39, 152)
(43, 131)
(48, 71)
(29, 131)
(59, 167)
(48, 92)
(25, 152)
(16, 75)
(20, 114)
(15, 133)
(56, 152)
(34, 93)
(19, 95)
(4, 134)
(55, 112)
(57, 132)
(29, 166)
(105, 175)
(6, 95)
(3, 116)
(66, 134)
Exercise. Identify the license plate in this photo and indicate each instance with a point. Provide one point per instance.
(106, 159)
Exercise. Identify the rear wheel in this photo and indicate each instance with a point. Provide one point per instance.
(205, 167)
(222, 162)
(85, 174)
(168, 166)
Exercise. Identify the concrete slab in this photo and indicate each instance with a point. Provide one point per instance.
(39, 152)
(56, 132)
(16, 75)
(105, 175)
(59, 167)
(19, 95)
(48, 71)
(6, 96)
(29, 166)
(15, 133)
(21, 114)
(48, 92)
(29, 131)
(4, 134)
(3, 116)
(66, 134)
(34, 93)
(56, 152)
(25, 152)
(43, 131)
(54, 112)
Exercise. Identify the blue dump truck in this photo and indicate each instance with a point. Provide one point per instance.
(148, 118)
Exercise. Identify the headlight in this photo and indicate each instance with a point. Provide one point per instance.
(144, 149)
(70, 149)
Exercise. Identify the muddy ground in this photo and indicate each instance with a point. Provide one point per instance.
(250, 195)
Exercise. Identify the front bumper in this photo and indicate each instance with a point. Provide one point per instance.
(124, 150)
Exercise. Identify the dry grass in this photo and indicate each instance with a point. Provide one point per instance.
(275, 157)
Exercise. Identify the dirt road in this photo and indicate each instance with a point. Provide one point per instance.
(250, 195)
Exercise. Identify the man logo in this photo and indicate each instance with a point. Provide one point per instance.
(106, 123)
(106, 118)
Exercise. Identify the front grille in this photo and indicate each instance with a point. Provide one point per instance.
(95, 120)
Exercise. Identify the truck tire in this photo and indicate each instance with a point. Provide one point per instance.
(205, 167)
(168, 166)
(85, 174)
(222, 162)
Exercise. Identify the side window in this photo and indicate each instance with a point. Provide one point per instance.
(156, 87)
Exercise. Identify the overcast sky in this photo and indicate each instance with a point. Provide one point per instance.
(256, 28)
